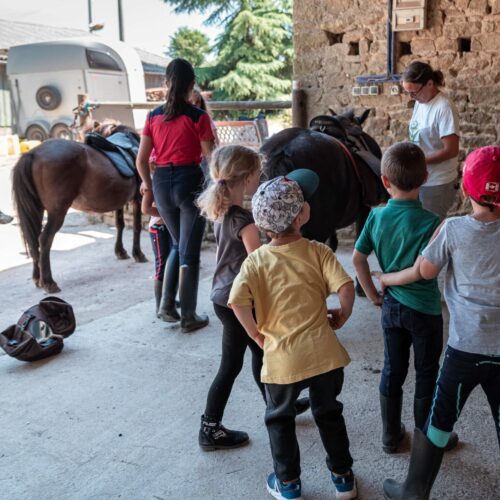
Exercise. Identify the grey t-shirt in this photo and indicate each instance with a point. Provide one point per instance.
(472, 282)
(231, 252)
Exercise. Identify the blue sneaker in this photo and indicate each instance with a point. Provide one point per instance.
(345, 486)
(288, 491)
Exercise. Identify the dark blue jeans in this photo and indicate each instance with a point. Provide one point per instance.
(175, 190)
(460, 374)
(403, 327)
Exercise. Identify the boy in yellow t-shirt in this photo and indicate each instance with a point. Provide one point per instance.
(287, 282)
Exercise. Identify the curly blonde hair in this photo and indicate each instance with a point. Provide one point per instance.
(230, 165)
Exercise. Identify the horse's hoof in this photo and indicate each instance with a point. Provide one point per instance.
(37, 283)
(140, 258)
(51, 287)
(122, 255)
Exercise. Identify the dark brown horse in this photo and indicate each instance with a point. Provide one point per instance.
(348, 186)
(60, 174)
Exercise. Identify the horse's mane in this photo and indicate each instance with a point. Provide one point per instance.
(110, 127)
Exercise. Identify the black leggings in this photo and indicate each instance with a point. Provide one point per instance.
(234, 343)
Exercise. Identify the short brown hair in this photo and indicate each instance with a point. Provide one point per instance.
(404, 165)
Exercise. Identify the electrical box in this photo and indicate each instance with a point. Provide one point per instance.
(395, 89)
(408, 19)
(365, 90)
(356, 91)
(409, 4)
(374, 90)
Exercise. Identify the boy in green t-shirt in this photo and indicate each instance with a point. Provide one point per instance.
(287, 282)
(411, 314)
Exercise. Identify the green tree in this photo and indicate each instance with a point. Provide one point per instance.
(254, 52)
(189, 44)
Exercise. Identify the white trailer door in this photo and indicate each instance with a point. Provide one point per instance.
(105, 86)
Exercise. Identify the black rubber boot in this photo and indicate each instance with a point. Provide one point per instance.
(421, 409)
(166, 310)
(425, 462)
(188, 295)
(393, 431)
(214, 436)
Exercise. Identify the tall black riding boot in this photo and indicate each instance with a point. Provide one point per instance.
(421, 409)
(188, 295)
(425, 462)
(393, 431)
(166, 310)
(158, 290)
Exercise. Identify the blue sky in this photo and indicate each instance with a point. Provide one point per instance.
(148, 24)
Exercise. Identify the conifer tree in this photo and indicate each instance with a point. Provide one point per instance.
(189, 44)
(254, 52)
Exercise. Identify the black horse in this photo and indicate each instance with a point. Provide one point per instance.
(347, 161)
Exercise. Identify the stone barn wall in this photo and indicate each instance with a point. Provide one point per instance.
(337, 40)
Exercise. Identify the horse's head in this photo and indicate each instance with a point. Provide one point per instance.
(351, 123)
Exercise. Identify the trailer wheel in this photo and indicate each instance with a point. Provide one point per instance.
(48, 97)
(61, 131)
(36, 133)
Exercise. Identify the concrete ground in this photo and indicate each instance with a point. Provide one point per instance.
(116, 414)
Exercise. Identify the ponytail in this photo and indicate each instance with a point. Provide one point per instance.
(215, 201)
(180, 76)
(438, 78)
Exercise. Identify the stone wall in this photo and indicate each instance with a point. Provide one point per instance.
(337, 40)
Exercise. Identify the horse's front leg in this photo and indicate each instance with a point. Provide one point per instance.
(54, 223)
(120, 251)
(136, 247)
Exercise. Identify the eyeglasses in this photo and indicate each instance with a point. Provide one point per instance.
(415, 94)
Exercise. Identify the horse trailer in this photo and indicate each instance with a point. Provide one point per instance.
(46, 78)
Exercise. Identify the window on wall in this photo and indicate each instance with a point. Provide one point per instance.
(464, 45)
(353, 49)
(101, 60)
(404, 49)
(333, 38)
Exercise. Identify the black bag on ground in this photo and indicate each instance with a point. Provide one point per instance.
(40, 331)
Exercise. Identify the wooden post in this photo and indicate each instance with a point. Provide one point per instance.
(299, 111)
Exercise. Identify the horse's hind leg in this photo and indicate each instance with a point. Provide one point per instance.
(54, 223)
(34, 248)
(120, 251)
(136, 248)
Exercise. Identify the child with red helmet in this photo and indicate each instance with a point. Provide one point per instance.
(468, 245)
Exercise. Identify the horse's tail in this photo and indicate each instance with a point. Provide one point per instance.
(27, 203)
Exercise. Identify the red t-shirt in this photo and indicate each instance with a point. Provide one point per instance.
(178, 141)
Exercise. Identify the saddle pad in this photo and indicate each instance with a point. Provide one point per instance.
(121, 150)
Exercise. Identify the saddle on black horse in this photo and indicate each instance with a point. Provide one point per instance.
(121, 148)
(355, 146)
